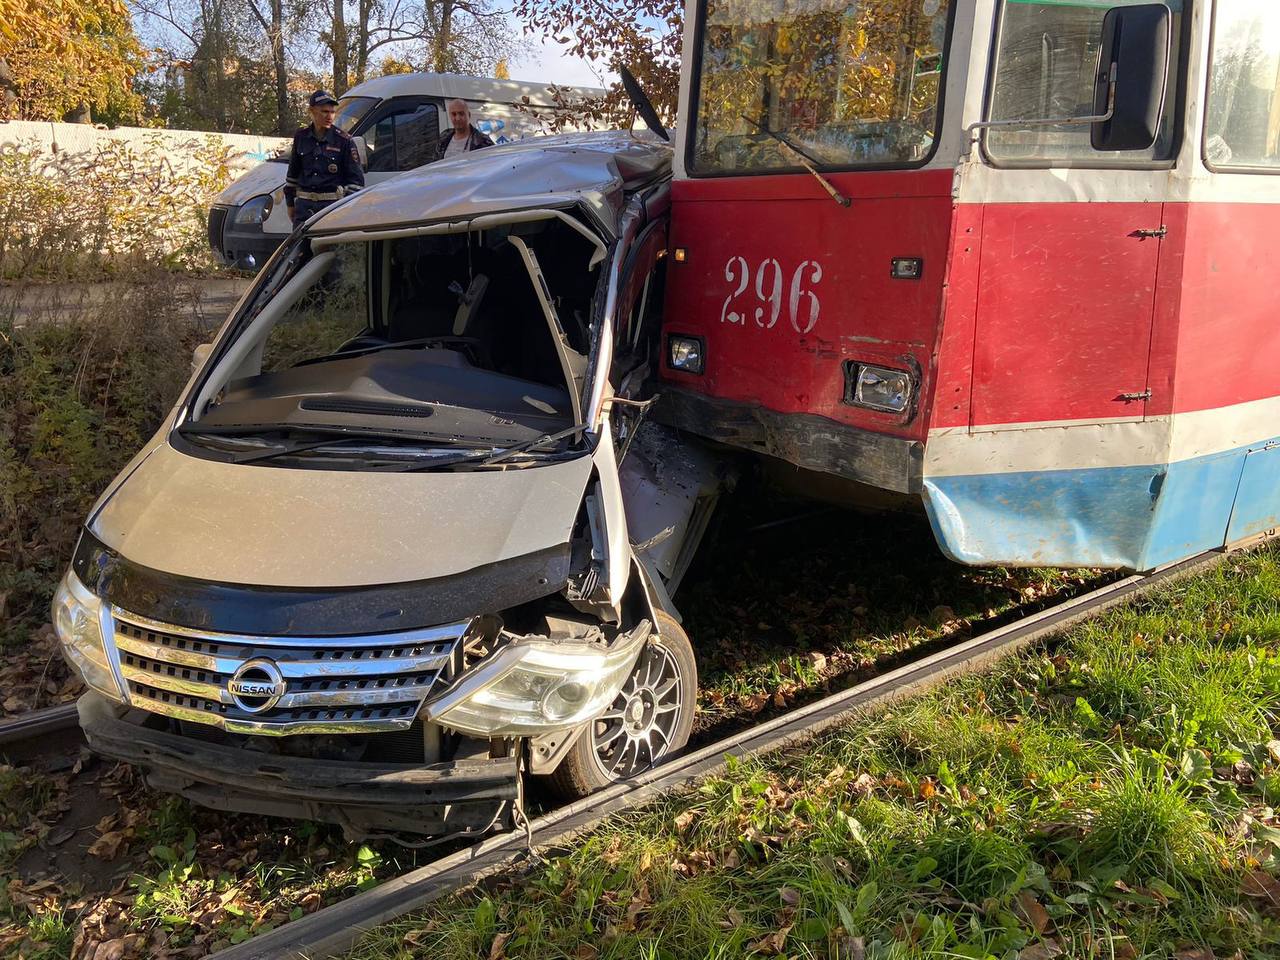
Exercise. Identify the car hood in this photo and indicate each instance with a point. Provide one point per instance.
(287, 527)
(262, 179)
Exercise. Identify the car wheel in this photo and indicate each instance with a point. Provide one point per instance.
(650, 719)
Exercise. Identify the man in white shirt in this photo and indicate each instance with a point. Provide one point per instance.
(464, 137)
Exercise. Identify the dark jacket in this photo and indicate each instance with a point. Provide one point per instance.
(476, 140)
(321, 165)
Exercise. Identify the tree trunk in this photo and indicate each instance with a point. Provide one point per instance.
(364, 13)
(442, 59)
(284, 122)
(339, 48)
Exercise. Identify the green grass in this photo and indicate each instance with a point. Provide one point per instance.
(1108, 797)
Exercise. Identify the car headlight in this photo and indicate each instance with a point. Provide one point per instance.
(77, 619)
(686, 354)
(878, 388)
(254, 213)
(531, 687)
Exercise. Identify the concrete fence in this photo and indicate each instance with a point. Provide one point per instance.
(246, 150)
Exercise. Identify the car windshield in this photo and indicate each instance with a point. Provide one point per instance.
(351, 110)
(850, 82)
(473, 341)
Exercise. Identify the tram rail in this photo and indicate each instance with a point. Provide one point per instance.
(334, 930)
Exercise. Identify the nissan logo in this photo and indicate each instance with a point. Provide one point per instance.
(257, 686)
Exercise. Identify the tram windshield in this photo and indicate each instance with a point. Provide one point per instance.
(853, 83)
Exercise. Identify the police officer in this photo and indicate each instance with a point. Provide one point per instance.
(324, 164)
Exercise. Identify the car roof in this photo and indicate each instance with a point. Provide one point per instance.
(595, 170)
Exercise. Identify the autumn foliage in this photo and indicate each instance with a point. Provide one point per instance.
(63, 56)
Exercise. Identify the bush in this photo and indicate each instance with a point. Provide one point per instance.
(77, 399)
(108, 210)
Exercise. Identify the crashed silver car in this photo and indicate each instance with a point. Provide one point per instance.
(408, 537)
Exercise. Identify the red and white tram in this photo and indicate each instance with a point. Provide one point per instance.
(893, 266)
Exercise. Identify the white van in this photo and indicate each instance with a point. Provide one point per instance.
(401, 119)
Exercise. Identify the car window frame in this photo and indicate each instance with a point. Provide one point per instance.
(385, 109)
(695, 95)
(1176, 105)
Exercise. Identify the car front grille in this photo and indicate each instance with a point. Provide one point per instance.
(217, 223)
(326, 685)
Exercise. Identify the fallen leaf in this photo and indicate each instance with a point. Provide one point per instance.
(109, 845)
(733, 919)
(1044, 950)
(1273, 748)
(851, 948)
(1193, 953)
(1260, 884)
(788, 896)
(1124, 950)
(685, 820)
(817, 661)
(772, 944)
(1031, 910)
(586, 952)
(755, 703)
(497, 949)
(110, 950)
(863, 785)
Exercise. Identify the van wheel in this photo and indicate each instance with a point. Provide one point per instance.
(650, 719)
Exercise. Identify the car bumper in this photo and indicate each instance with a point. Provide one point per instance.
(470, 795)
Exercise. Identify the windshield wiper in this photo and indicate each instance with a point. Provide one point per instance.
(378, 348)
(808, 162)
(496, 455)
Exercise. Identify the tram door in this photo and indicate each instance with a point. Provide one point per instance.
(1071, 237)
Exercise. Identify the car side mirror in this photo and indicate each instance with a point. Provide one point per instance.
(362, 149)
(1133, 76)
(200, 354)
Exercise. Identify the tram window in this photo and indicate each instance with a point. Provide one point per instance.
(852, 83)
(1045, 67)
(1242, 128)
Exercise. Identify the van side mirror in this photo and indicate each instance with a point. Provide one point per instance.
(200, 354)
(362, 149)
(1133, 74)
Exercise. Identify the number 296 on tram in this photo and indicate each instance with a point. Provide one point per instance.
(1011, 261)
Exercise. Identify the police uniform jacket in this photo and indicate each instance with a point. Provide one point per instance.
(319, 166)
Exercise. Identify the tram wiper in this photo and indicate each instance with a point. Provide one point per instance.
(806, 161)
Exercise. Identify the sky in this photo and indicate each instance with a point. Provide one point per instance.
(548, 62)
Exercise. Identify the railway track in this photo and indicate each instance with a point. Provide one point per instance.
(335, 929)
(38, 733)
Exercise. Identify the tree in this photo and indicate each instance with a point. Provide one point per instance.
(63, 56)
(642, 35)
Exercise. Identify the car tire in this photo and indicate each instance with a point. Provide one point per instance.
(649, 696)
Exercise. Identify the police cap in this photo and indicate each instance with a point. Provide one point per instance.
(320, 98)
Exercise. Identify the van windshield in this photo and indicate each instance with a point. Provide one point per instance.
(468, 340)
(351, 110)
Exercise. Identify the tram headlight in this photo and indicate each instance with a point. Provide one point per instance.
(77, 620)
(879, 388)
(686, 354)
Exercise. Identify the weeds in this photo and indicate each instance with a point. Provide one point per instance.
(77, 399)
(107, 211)
(1109, 798)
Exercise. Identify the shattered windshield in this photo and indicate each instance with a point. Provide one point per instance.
(470, 340)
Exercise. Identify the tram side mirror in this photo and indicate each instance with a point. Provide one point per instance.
(362, 149)
(1133, 74)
